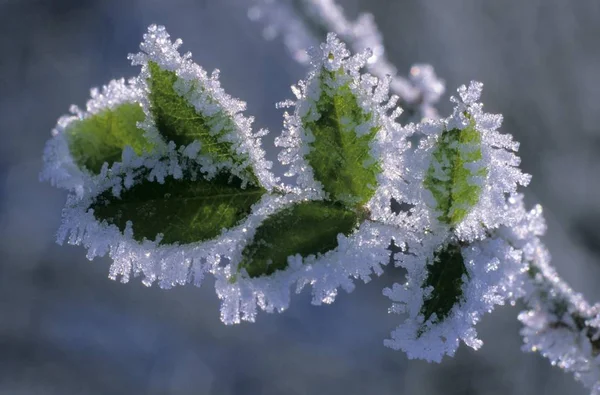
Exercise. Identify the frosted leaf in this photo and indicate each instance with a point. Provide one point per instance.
(83, 141)
(184, 104)
(359, 255)
(447, 290)
(304, 228)
(180, 210)
(462, 171)
(167, 264)
(340, 136)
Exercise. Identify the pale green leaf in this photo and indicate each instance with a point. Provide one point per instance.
(341, 160)
(101, 137)
(456, 191)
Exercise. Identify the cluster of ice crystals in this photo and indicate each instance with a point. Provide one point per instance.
(496, 252)
(498, 158)
(492, 269)
(59, 166)
(558, 323)
(205, 94)
(304, 24)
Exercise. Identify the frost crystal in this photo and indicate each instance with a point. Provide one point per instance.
(446, 297)
(462, 170)
(458, 264)
(60, 168)
(305, 23)
(559, 323)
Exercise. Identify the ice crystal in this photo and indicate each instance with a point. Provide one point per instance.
(462, 170)
(448, 289)
(64, 169)
(559, 323)
(305, 23)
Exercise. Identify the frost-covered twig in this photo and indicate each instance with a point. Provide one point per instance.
(305, 23)
(561, 324)
(166, 175)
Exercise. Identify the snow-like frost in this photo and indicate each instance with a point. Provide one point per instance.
(559, 323)
(305, 23)
(499, 158)
(357, 256)
(59, 166)
(493, 268)
(501, 255)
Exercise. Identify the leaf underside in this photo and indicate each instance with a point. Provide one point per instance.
(341, 160)
(307, 228)
(445, 275)
(183, 211)
(101, 137)
(178, 121)
(455, 191)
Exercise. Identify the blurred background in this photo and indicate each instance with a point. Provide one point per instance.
(65, 328)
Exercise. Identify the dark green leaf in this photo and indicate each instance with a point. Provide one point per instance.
(102, 137)
(445, 275)
(307, 228)
(184, 211)
(342, 160)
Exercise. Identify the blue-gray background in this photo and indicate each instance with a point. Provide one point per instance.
(66, 329)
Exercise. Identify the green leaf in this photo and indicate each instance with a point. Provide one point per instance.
(445, 275)
(454, 190)
(341, 160)
(101, 137)
(177, 120)
(307, 228)
(184, 211)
